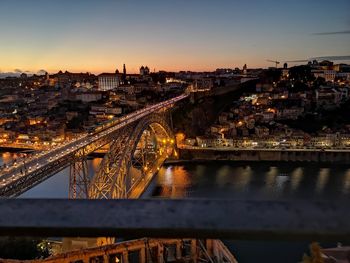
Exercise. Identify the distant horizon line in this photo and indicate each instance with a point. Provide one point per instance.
(39, 73)
(17, 72)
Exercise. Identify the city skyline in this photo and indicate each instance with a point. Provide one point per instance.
(229, 118)
(197, 36)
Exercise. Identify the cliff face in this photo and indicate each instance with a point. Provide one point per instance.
(195, 119)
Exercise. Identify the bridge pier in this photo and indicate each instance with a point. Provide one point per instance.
(78, 179)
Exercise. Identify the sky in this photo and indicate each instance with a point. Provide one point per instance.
(99, 36)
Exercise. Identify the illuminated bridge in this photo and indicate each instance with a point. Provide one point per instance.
(138, 145)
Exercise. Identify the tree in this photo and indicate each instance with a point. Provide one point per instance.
(316, 254)
(270, 75)
(299, 86)
(301, 73)
(158, 77)
(21, 248)
(75, 122)
(319, 81)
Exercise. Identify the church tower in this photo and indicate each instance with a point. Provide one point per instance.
(124, 74)
(245, 69)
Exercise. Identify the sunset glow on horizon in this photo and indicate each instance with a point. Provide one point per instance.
(100, 36)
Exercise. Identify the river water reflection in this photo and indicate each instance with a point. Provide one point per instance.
(254, 181)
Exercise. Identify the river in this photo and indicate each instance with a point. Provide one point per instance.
(238, 181)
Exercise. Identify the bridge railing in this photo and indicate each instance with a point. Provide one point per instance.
(200, 218)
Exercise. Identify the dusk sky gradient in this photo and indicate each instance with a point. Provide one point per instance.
(99, 36)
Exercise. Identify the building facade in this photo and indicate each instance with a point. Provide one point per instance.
(108, 81)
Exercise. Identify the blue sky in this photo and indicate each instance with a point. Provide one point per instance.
(101, 35)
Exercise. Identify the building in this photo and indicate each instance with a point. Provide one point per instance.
(285, 71)
(207, 141)
(289, 113)
(261, 131)
(245, 69)
(336, 255)
(343, 75)
(88, 96)
(266, 116)
(108, 81)
(123, 78)
(84, 84)
(202, 84)
(328, 98)
(144, 71)
(331, 75)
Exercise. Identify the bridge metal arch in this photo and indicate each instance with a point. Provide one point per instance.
(112, 179)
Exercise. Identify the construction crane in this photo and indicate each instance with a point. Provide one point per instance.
(274, 61)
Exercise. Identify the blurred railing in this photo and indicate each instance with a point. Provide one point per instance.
(282, 220)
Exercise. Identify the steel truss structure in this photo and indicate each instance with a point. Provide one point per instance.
(78, 179)
(113, 179)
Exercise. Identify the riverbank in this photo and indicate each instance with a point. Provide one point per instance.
(258, 155)
(236, 162)
(16, 149)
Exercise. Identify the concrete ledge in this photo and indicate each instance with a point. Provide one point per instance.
(264, 220)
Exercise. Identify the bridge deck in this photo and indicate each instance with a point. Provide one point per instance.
(28, 172)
